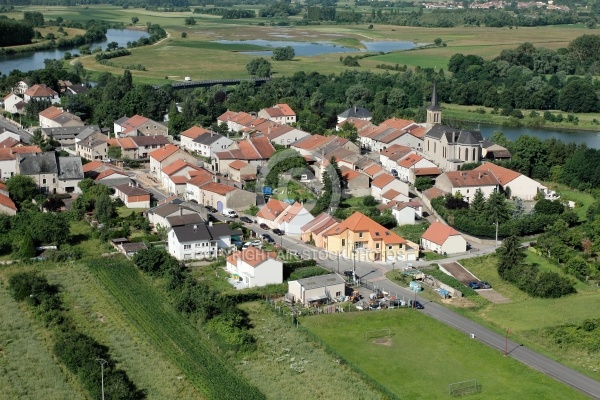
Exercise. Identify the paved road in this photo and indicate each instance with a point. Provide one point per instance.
(374, 272)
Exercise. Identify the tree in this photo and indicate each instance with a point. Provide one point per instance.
(184, 34)
(478, 205)
(134, 20)
(348, 131)
(112, 46)
(578, 96)
(26, 248)
(423, 183)
(21, 188)
(190, 21)
(369, 201)
(549, 207)
(438, 42)
(283, 53)
(34, 18)
(104, 209)
(510, 256)
(259, 67)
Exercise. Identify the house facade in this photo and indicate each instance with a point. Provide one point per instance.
(255, 268)
(221, 196)
(312, 232)
(165, 156)
(200, 241)
(443, 239)
(317, 289)
(279, 113)
(466, 183)
(512, 182)
(133, 196)
(92, 149)
(14, 104)
(208, 143)
(241, 171)
(385, 182)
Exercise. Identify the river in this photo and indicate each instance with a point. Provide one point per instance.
(591, 138)
(35, 60)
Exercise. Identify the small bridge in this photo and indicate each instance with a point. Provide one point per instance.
(213, 82)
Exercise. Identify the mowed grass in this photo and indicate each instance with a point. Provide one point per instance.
(28, 369)
(424, 357)
(98, 314)
(282, 351)
(173, 335)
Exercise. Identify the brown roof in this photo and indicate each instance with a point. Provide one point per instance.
(320, 223)
(290, 213)
(92, 166)
(40, 91)
(349, 174)
(313, 142)
(133, 122)
(226, 115)
(238, 164)
(285, 109)
(382, 180)
(127, 143)
(410, 160)
(26, 149)
(397, 123)
(278, 130)
(9, 142)
(418, 132)
(130, 190)
(427, 171)
(357, 122)
(433, 193)
(218, 188)
(251, 256)
(390, 194)
(109, 172)
(200, 177)
(373, 169)
(177, 165)
(2, 186)
(504, 175)
(7, 202)
(438, 233)
(272, 209)
(51, 112)
(194, 132)
(396, 152)
(162, 153)
(358, 222)
(150, 140)
(471, 178)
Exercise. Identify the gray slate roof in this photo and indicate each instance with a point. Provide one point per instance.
(185, 220)
(41, 163)
(87, 131)
(320, 281)
(455, 135)
(356, 112)
(165, 210)
(201, 232)
(70, 168)
(69, 132)
(208, 138)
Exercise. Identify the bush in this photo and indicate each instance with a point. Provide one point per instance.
(307, 272)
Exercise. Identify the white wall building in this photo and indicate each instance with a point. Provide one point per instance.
(255, 267)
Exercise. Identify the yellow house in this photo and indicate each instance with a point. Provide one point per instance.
(362, 238)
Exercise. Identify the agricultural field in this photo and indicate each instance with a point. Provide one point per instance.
(285, 362)
(208, 61)
(422, 357)
(526, 316)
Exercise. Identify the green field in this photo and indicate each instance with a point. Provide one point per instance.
(526, 315)
(424, 356)
(199, 57)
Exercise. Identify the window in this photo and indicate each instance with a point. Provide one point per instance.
(338, 294)
(376, 245)
(389, 246)
(199, 244)
(187, 246)
(44, 181)
(360, 234)
(343, 242)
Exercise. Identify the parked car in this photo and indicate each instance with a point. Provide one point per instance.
(474, 285)
(264, 226)
(485, 285)
(278, 232)
(228, 212)
(246, 220)
(268, 238)
(416, 304)
(348, 273)
(211, 209)
(256, 243)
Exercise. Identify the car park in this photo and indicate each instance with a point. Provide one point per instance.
(474, 285)
(278, 232)
(246, 220)
(485, 285)
(264, 226)
(211, 209)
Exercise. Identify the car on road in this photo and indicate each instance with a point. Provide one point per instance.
(229, 213)
(211, 209)
(246, 220)
(416, 304)
(474, 285)
(268, 238)
(264, 226)
(256, 243)
(278, 232)
(485, 285)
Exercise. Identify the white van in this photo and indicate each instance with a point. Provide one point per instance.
(188, 79)
(228, 212)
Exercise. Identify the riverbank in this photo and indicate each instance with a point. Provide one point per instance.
(470, 115)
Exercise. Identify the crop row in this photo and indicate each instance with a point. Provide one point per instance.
(171, 332)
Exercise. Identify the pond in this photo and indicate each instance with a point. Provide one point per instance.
(35, 60)
(308, 49)
(591, 138)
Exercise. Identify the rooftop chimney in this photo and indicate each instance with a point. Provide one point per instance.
(195, 228)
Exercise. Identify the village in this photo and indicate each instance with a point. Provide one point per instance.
(188, 187)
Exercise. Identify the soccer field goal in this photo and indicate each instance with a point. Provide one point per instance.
(464, 388)
(379, 333)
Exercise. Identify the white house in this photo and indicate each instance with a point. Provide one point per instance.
(406, 213)
(467, 183)
(443, 239)
(222, 196)
(285, 135)
(411, 162)
(293, 218)
(280, 113)
(209, 143)
(517, 184)
(385, 182)
(317, 289)
(159, 215)
(14, 104)
(41, 92)
(174, 177)
(164, 156)
(255, 267)
(200, 241)
(133, 196)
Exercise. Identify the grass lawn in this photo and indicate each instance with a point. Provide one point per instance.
(28, 369)
(283, 351)
(582, 200)
(526, 315)
(424, 356)
(412, 232)
(82, 234)
(124, 212)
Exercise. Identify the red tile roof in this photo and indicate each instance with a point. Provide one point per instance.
(93, 165)
(321, 222)
(127, 143)
(285, 109)
(357, 122)
(164, 152)
(109, 172)
(272, 209)
(9, 142)
(200, 178)
(396, 151)
(218, 188)
(427, 171)
(40, 91)
(358, 222)
(438, 233)
(349, 174)
(504, 175)
(433, 193)
(251, 256)
(313, 142)
(390, 194)
(410, 160)
(373, 169)
(238, 164)
(382, 180)
(397, 123)
(471, 178)
(178, 165)
(51, 112)
(7, 202)
(226, 116)
(194, 132)
(2, 186)
(133, 122)
(418, 132)
(291, 212)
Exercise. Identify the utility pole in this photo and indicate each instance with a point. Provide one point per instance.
(102, 362)
(354, 265)
(496, 243)
(506, 342)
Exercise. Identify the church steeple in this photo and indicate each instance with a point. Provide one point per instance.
(434, 111)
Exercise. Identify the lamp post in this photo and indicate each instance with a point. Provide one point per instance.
(506, 342)
(354, 264)
(102, 362)
(393, 265)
